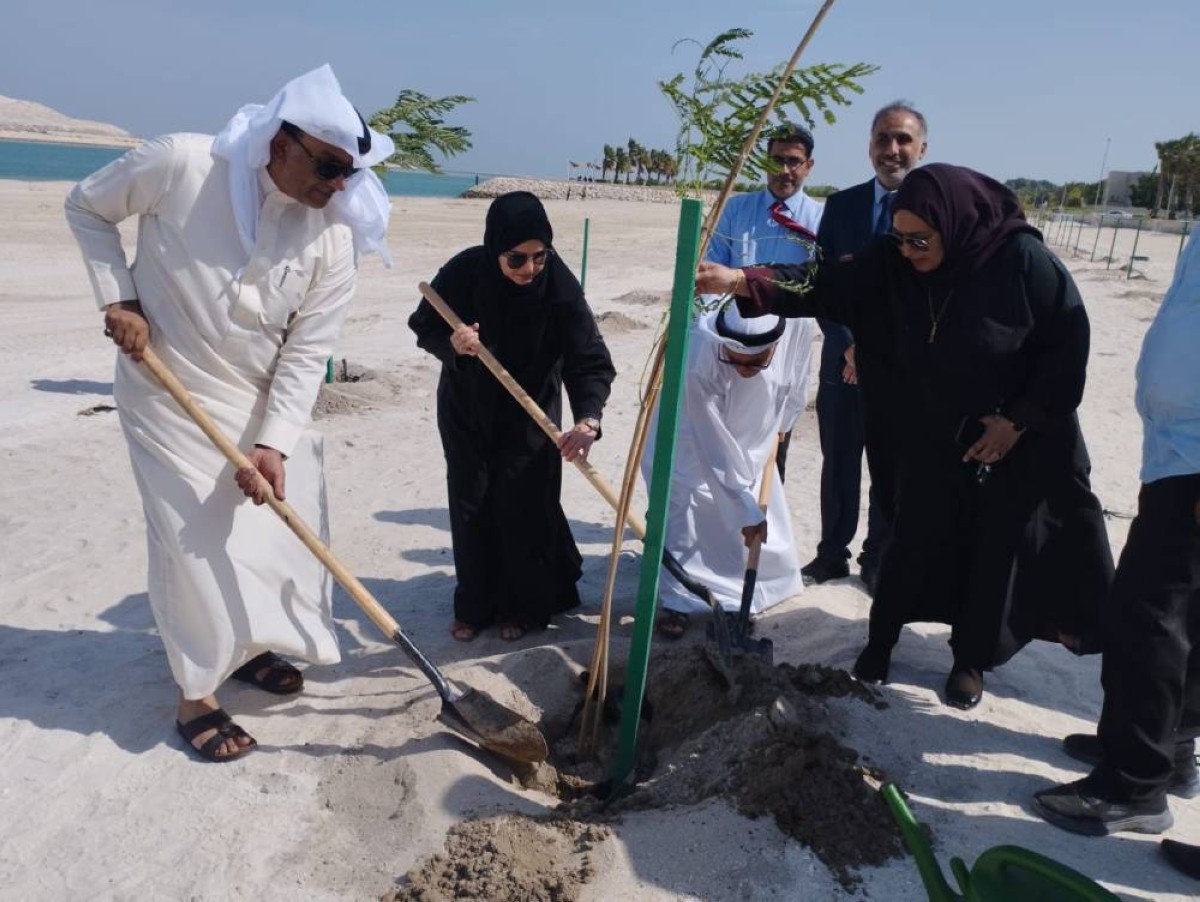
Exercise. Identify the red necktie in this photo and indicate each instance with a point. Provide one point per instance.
(779, 212)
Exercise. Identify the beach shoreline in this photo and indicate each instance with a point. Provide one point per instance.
(67, 139)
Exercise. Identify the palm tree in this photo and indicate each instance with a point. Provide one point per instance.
(606, 162)
(620, 164)
(659, 160)
(638, 158)
(1178, 170)
(671, 167)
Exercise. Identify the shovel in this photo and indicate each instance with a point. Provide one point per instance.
(469, 712)
(761, 647)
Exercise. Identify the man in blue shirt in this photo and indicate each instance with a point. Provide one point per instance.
(776, 225)
(1151, 670)
(854, 408)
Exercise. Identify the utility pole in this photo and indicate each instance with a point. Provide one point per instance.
(1103, 165)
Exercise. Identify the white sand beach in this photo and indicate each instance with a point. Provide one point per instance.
(355, 783)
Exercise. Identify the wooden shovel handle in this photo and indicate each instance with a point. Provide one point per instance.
(488, 359)
(234, 455)
(764, 497)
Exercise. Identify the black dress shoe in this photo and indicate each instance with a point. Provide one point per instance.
(1182, 857)
(872, 664)
(818, 571)
(1080, 807)
(964, 687)
(1185, 778)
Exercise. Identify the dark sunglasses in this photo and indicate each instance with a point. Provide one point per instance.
(921, 244)
(516, 260)
(746, 365)
(788, 162)
(326, 170)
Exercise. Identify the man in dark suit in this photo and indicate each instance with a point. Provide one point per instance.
(851, 415)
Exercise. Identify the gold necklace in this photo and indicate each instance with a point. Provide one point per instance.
(935, 319)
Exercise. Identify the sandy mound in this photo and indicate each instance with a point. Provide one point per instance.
(646, 298)
(356, 390)
(613, 322)
(507, 858)
(30, 121)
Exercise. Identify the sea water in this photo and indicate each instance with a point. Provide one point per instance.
(37, 161)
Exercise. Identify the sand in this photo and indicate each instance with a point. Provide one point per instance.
(24, 120)
(356, 785)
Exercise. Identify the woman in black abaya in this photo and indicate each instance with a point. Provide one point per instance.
(997, 532)
(514, 556)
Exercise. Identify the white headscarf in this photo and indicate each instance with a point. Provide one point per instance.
(315, 104)
(744, 335)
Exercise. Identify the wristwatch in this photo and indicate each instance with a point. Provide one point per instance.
(592, 423)
(1017, 427)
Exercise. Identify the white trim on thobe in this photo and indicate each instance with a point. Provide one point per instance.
(227, 580)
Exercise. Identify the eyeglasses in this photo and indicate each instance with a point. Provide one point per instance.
(788, 162)
(516, 259)
(752, 364)
(913, 241)
(326, 170)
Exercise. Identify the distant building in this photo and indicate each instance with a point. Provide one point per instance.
(1116, 193)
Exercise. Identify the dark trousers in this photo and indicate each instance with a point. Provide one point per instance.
(1151, 668)
(781, 454)
(840, 422)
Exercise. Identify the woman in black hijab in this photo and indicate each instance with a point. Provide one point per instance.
(514, 556)
(997, 532)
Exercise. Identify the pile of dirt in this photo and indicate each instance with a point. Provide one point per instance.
(356, 389)
(765, 747)
(611, 322)
(646, 298)
(506, 858)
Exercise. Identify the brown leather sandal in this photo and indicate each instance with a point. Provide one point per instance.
(220, 721)
(281, 677)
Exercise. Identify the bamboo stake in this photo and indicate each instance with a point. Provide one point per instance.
(598, 677)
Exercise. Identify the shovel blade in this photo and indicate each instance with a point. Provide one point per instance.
(719, 649)
(762, 648)
(492, 726)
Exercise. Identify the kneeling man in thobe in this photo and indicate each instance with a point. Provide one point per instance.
(246, 257)
(745, 384)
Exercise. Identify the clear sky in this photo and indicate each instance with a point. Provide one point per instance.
(1017, 88)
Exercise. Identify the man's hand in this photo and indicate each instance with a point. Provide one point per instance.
(127, 327)
(751, 533)
(574, 445)
(850, 370)
(269, 463)
(465, 340)
(998, 438)
(713, 278)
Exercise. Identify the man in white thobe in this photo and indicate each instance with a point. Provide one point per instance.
(746, 382)
(246, 257)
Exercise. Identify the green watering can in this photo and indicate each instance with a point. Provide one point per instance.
(1001, 874)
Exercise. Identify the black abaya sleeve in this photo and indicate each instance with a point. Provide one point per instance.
(588, 369)
(826, 290)
(1057, 346)
(453, 284)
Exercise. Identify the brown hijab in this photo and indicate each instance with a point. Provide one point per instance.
(974, 214)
